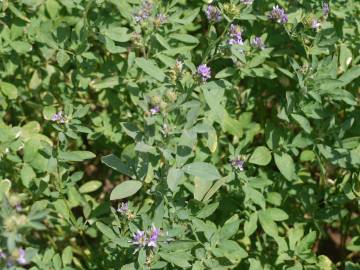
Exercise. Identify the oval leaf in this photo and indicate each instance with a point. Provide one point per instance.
(203, 170)
(261, 156)
(90, 186)
(125, 189)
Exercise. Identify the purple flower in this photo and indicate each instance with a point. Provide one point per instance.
(213, 14)
(123, 209)
(144, 12)
(278, 15)
(258, 43)
(179, 66)
(58, 117)
(247, 2)
(160, 19)
(139, 239)
(326, 9)
(154, 234)
(235, 35)
(18, 207)
(21, 259)
(315, 24)
(238, 163)
(204, 72)
(154, 110)
(2, 255)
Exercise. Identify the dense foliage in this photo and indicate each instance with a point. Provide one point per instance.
(179, 134)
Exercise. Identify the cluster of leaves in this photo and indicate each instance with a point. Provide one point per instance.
(179, 134)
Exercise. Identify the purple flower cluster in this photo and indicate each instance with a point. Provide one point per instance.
(21, 259)
(204, 72)
(124, 208)
(238, 163)
(153, 237)
(10, 260)
(247, 2)
(235, 35)
(58, 117)
(154, 110)
(148, 238)
(257, 42)
(139, 239)
(144, 12)
(326, 9)
(278, 15)
(315, 24)
(213, 14)
(160, 19)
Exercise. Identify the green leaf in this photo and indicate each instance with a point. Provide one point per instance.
(203, 170)
(226, 72)
(115, 163)
(350, 75)
(105, 83)
(276, 214)
(174, 178)
(286, 165)
(201, 187)
(9, 90)
(90, 186)
(303, 122)
(305, 244)
(67, 255)
(207, 210)
(117, 33)
(27, 175)
(232, 251)
(250, 225)
(106, 230)
(230, 227)
(150, 68)
(185, 38)
(176, 258)
(261, 156)
(215, 187)
(125, 189)
(76, 155)
(62, 58)
(62, 208)
(268, 225)
(21, 47)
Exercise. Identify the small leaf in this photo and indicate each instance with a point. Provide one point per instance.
(174, 178)
(90, 186)
(125, 189)
(175, 258)
(268, 224)
(203, 170)
(276, 214)
(62, 57)
(250, 225)
(106, 230)
(67, 255)
(115, 163)
(303, 122)
(207, 210)
(201, 187)
(21, 47)
(76, 155)
(9, 90)
(286, 165)
(261, 156)
(150, 68)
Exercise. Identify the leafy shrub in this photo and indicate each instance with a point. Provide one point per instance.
(179, 134)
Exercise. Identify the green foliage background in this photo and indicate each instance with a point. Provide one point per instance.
(290, 111)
